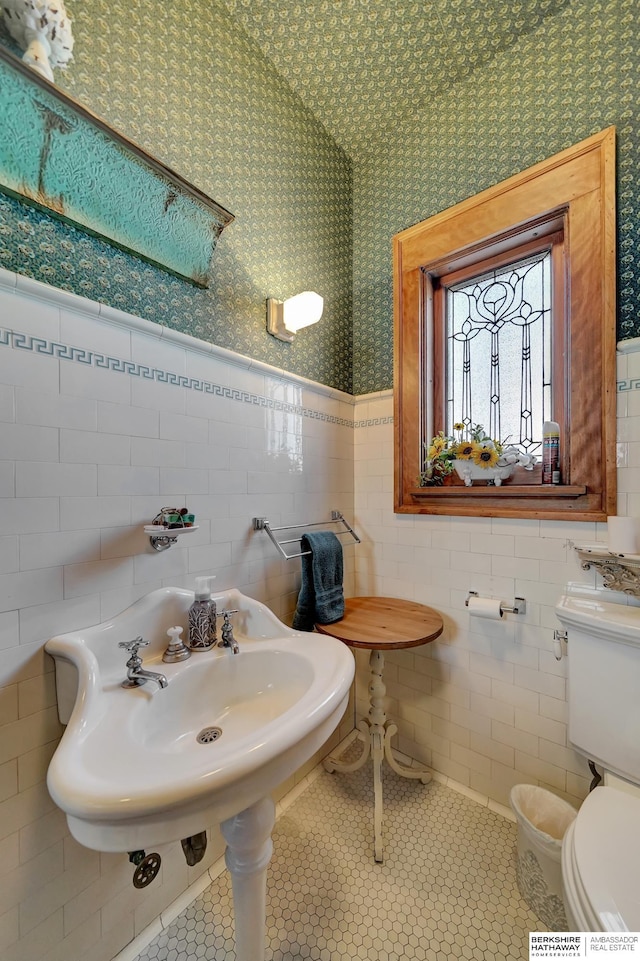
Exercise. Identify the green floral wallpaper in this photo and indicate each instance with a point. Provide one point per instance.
(360, 64)
(575, 75)
(425, 111)
(191, 88)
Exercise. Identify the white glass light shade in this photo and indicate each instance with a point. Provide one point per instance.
(285, 319)
(302, 310)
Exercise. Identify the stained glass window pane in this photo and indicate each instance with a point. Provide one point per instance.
(498, 344)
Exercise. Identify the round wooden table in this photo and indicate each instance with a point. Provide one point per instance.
(381, 624)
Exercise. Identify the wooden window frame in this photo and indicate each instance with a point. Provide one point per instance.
(573, 192)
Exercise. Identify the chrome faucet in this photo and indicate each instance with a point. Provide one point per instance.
(136, 675)
(228, 640)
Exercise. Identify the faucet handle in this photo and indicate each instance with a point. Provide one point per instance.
(176, 649)
(132, 646)
(228, 640)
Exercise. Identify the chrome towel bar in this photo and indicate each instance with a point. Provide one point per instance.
(262, 524)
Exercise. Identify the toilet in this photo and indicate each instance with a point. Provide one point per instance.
(601, 848)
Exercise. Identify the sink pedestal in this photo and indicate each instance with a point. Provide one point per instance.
(249, 850)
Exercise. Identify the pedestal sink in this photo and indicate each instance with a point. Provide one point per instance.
(131, 770)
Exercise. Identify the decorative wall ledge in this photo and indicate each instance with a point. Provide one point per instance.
(58, 156)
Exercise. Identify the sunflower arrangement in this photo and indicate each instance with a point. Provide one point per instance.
(470, 443)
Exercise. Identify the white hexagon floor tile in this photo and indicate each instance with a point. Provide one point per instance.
(446, 890)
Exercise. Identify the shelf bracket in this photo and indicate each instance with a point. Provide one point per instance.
(619, 572)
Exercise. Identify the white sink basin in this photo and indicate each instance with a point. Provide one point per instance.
(239, 694)
(129, 772)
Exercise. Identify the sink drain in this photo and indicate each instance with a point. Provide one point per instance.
(209, 734)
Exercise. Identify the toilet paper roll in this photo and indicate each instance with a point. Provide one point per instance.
(622, 535)
(488, 607)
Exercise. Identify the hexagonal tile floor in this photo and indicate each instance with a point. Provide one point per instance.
(446, 890)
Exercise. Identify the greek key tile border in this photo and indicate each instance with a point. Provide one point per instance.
(374, 421)
(80, 355)
(621, 386)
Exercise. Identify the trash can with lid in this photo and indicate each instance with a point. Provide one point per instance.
(542, 819)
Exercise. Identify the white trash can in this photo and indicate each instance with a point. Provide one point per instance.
(542, 820)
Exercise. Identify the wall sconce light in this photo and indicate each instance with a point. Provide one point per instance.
(286, 318)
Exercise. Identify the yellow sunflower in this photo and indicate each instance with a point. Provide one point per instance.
(466, 449)
(458, 426)
(438, 444)
(485, 456)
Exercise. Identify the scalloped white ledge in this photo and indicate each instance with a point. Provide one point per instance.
(120, 318)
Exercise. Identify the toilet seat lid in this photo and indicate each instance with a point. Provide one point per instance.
(607, 856)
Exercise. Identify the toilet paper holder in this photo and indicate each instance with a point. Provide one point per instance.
(519, 604)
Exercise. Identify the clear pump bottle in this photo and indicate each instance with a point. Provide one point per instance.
(202, 617)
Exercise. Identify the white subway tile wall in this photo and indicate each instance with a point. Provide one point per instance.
(101, 425)
(486, 703)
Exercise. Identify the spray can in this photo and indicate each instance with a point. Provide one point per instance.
(550, 452)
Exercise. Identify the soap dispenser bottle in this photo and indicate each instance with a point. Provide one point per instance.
(202, 617)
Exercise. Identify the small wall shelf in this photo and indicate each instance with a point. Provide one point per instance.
(57, 156)
(545, 491)
(163, 537)
(620, 572)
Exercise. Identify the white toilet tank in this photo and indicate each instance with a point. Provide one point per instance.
(604, 679)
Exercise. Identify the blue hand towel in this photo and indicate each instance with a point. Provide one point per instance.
(321, 598)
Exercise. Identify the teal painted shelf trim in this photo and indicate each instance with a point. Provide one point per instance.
(57, 156)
